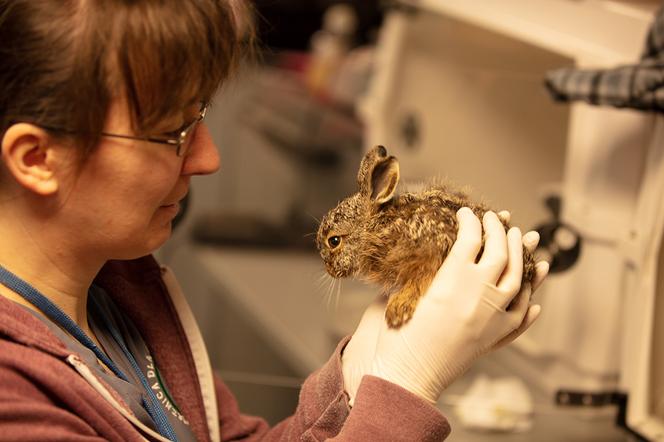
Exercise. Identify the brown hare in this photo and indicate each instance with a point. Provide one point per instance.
(397, 241)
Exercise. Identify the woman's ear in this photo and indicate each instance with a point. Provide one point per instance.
(29, 154)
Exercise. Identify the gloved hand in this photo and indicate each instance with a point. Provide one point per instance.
(463, 315)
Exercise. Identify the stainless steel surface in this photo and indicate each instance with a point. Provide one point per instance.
(551, 423)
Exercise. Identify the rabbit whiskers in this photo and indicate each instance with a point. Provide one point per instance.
(333, 290)
(313, 217)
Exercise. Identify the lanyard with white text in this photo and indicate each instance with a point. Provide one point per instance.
(139, 373)
(56, 315)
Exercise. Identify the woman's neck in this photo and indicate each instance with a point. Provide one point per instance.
(47, 264)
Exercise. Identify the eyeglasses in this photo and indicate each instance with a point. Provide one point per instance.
(179, 138)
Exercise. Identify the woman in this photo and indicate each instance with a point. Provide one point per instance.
(101, 108)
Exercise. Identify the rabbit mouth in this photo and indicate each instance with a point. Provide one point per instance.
(337, 273)
(341, 273)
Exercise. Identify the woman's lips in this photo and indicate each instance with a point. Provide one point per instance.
(174, 208)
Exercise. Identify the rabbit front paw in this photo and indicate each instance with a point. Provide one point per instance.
(400, 307)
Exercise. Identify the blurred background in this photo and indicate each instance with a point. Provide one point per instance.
(454, 89)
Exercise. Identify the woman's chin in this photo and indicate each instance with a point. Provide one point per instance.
(150, 244)
(159, 238)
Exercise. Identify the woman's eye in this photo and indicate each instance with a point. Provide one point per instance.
(334, 241)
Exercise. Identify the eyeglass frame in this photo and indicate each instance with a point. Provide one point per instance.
(178, 142)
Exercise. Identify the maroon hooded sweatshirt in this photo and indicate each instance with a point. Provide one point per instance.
(49, 394)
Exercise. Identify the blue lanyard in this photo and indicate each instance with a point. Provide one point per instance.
(44, 304)
(156, 412)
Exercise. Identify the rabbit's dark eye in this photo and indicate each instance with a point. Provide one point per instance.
(334, 241)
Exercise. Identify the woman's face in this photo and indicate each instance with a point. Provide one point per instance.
(122, 201)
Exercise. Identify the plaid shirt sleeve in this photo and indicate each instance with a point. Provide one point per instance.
(638, 86)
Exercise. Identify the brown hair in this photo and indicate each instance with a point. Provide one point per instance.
(62, 61)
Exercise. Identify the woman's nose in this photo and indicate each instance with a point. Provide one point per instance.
(203, 156)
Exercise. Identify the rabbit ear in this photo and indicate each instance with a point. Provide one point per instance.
(384, 180)
(369, 162)
(378, 175)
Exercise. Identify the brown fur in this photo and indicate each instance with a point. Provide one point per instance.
(397, 242)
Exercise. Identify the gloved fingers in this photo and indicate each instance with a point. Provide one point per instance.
(495, 255)
(519, 306)
(469, 237)
(532, 315)
(541, 270)
(530, 240)
(505, 216)
(510, 281)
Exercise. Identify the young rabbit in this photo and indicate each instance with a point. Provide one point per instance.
(398, 242)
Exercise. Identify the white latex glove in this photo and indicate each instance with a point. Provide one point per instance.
(462, 315)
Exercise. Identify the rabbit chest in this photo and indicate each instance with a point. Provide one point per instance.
(409, 237)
